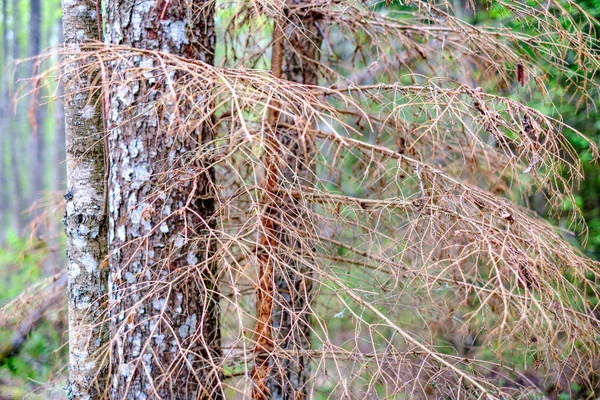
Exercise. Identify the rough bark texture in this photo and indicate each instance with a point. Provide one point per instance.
(291, 316)
(284, 287)
(267, 258)
(161, 204)
(85, 218)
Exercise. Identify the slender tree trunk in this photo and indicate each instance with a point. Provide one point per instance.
(4, 120)
(296, 51)
(85, 219)
(163, 305)
(56, 164)
(293, 280)
(15, 152)
(36, 140)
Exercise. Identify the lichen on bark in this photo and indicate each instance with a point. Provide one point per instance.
(163, 307)
(85, 217)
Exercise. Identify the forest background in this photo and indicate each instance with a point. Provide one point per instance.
(33, 183)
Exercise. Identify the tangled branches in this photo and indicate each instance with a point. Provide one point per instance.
(396, 209)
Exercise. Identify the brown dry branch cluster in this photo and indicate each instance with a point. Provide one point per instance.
(369, 235)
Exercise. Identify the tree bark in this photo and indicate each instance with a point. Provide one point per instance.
(85, 218)
(163, 307)
(296, 51)
(293, 280)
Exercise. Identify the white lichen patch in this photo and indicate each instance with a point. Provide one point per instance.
(158, 304)
(147, 64)
(80, 35)
(126, 370)
(125, 95)
(132, 201)
(78, 357)
(159, 340)
(179, 240)
(121, 233)
(135, 148)
(164, 228)
(83, 303)
(88, 112)
(75, 270)
(127, 173)
(83, 230)
(136, 214)
(178, 303)
(88, 262)
(141, 174)
(191, 258)
(80, 242)
(130, 278)
(116, 196)
(176, 33)
(136, 344)
(189, 326)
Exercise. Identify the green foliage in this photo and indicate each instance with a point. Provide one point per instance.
(19, 266)
(38, 359)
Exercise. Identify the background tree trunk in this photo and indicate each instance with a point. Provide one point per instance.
(293, 278)
(4, 121)
(85, 219)
(16, 155)
(36, 118)
(162, 277)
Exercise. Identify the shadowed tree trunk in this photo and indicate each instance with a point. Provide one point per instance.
(286, 331)
(291, 316)
(85, 219)
(164, 312)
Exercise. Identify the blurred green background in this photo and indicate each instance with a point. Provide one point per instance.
(33, 180)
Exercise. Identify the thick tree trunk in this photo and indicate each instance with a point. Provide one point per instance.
(85, 219)
(163, 305)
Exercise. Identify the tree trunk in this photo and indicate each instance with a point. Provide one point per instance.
(4, 121)
(291, 316)
(85, 219)
(298, 39)
(164, 312)
(59, 155)
(15, 151)
(56, 164)
(36, 140)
